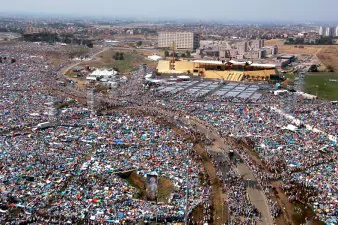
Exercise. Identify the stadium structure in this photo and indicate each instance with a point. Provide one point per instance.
(228, 71)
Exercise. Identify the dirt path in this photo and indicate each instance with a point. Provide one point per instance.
(217, 197)
(219, 210)
(64, 71)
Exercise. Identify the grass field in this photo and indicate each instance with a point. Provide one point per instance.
(323, 84)
(291, 77)
(131, 61)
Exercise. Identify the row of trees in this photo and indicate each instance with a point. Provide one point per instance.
(314, 68)
(51, 38)
(301, 41)
(118, 56)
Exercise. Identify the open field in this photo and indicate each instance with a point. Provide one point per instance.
(328, 55)
(290, 49)
(323, 84)
(131, 61)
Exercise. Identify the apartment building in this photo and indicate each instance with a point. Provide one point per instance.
(183, 40)
(329, 32)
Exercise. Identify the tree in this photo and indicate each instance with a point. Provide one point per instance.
(166, 53)
(13, 60)
(313, 68)
(116, 69)
(90, 45)
(330, 68)
(121, 56)
(183, 55)
(117, 56)
(139, 43)
(188, 53)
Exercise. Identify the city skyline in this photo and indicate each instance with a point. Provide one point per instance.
(245, 10)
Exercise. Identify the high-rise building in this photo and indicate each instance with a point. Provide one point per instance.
(242, 47)
(329, 32)
(262, 43)
(336, 32)
(256, 44)
(321, 30)
(183, 40)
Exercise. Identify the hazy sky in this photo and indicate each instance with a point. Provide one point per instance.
(225, 10)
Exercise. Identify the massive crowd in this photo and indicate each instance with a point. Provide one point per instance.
(292, 152)
(68, 171)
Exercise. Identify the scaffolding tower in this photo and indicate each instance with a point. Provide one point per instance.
(91, 101)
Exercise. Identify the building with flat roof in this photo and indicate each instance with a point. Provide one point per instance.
(230, 71)
(182, 40)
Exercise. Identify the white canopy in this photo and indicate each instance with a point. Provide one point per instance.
(183, 77)
(103, 72)
(154, 57)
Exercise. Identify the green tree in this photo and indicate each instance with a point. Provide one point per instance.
(90, 45)
(139, 43)
(121, 56)
(117, 56)
(188, 53)
(166, 53)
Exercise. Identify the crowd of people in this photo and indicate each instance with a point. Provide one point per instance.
(291, 152)
(69, 171)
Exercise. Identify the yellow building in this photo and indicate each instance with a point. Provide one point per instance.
(230, 71)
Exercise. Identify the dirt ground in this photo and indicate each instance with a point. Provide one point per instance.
(290, 49)
(220, 211)
(328, 55)
(165, 186)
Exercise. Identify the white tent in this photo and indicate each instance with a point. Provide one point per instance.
(104, 73)
(183, 77)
